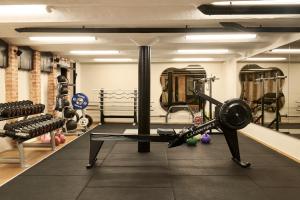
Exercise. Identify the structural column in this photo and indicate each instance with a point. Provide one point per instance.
(11, 75)
(52, 90)
(144, 97)
(35, 78)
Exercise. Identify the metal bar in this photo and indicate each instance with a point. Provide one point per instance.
(135, 107)
(74, 78)
(144, 96)
(210, 9)
(271, 78)
(113, 89)
(118, 30)
(101, 99)
(52, 140)
(131, 137)
(21, 154)
(210, 95)
(262, 101)
(277, 103)
(170, 89)
(118, 116)
(155, 30)
(208, 98)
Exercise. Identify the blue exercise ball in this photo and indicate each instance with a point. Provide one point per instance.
(205, 139)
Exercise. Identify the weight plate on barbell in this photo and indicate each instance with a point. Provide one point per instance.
(80, 101)
(83, 122)
(235, 114)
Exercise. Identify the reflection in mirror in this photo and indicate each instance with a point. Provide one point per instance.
(262, 89)
(179, 88)
(252, 90)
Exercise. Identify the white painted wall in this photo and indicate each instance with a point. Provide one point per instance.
(44, 89)
(78, 78)
(23, 85)
(230, 76)
(125, 76)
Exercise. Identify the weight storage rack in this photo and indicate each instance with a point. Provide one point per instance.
(117, 101)
(59, 86)
(21, 142)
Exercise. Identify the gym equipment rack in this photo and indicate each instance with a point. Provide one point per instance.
(21, 143)
(59, 86)
(114, 100)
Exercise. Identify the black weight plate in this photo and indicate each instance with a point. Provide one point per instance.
(235, 114)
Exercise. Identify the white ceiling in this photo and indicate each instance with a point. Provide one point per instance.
(140, 13)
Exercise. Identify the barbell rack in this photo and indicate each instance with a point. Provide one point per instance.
(131, 97)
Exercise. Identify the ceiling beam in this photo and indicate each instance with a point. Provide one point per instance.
(210, 9)
(260, 29)
(118, 30)
(227, 27)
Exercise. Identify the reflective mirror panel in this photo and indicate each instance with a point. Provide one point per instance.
(179, 87)
(282, 115)
(258, 83)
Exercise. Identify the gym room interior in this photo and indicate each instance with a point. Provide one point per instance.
(149, 99)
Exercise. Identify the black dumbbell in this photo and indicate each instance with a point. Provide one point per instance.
(62, 79)
(63, 90)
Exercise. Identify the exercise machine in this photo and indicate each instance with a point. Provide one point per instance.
(230, 116)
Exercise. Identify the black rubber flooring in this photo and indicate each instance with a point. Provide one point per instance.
(183, 173)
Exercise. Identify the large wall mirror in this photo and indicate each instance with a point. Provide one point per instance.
(270, 84)
(179, 87)
(259, 84)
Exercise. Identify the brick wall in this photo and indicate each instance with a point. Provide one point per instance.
(11, 75)
(52, 87)
(35, 78)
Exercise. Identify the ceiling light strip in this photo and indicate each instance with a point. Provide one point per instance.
(283, 51)
(193, 59)
(63, 39)
(202, 51)
(94, 52)
(113, 60)
(265, 59)
(221, 37)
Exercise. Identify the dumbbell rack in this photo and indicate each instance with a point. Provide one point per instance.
(21, 144)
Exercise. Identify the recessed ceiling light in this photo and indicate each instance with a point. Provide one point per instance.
(113, 59)
(64, 39)
(193, 59)
(202, 51)
(222, 37)
(22, 10)
(94, 52)
(266, 59)
(256, 3)
(289, 51)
